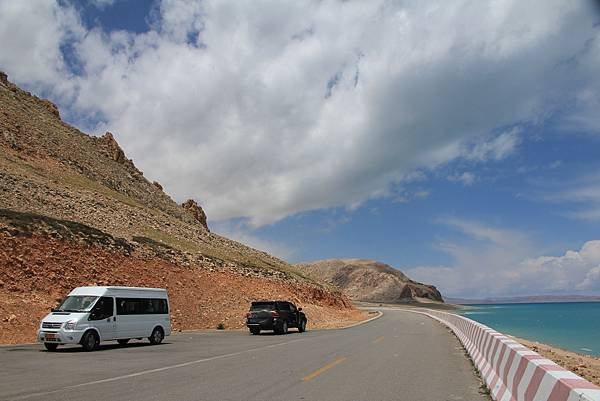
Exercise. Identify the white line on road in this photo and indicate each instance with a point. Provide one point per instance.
(150, 371)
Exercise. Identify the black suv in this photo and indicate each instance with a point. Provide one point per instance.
(278, 316)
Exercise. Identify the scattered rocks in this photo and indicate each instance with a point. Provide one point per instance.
(10, 319)
(50, 107)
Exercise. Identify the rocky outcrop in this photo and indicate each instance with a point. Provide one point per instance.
(369, 281)
(115, 150)
(195, 211)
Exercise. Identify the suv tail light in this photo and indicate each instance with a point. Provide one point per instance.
(275, 314)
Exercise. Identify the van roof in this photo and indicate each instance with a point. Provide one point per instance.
(102, 290)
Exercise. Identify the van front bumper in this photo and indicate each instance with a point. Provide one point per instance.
(59, 336)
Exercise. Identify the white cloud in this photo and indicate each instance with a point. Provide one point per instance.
(580, 197)
(466, 178)
(496, 262)
(102, 3)
(241, 233)
(495, 148)
(31, 33)
(266, 109)
(405, 196)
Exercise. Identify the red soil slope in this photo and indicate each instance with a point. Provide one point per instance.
(36, 271)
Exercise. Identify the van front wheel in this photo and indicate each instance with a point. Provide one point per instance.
(90, 341)
(157, 336)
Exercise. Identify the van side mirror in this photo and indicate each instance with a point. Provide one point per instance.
(299, 309)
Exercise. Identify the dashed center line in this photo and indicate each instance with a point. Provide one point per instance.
(378, 340)
(323, 369)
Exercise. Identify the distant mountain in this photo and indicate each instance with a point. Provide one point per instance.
(526, 299)
(369, 281)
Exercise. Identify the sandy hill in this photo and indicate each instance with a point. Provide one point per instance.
(74, 210)
(370, 281)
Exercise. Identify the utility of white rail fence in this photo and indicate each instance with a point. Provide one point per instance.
(511, 371)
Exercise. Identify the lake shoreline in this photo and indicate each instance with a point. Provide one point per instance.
(586, 366)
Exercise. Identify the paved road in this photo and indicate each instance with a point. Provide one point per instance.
(400, 356)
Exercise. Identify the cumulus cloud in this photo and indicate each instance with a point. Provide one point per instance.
(265, 109)
(32, 34)
(494, 262)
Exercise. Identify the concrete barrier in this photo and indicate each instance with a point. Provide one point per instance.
(511, 371)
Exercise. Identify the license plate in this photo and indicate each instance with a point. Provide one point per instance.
(50, 336)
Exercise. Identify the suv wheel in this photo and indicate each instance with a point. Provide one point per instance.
(284, 327)
(302, 326)
(51, 346)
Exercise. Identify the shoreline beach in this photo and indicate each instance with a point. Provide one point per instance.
(586, 366)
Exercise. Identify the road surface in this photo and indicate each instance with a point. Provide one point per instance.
(400, 356)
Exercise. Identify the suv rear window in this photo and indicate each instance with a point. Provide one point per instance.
(257, 306)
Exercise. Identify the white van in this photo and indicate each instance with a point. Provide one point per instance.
(89, 315)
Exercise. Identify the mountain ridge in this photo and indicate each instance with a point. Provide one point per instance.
(370, 281)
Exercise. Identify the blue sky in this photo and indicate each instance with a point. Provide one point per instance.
(458, 141)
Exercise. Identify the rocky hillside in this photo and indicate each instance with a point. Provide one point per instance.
(370, 281)
(74, 210)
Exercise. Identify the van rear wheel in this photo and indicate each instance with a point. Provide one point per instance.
(123, 341)
(90, 341)
(157, 336)
(51, 346)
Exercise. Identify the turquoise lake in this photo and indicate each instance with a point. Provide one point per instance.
(574, 326)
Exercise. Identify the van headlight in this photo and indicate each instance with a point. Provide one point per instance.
(71, 325)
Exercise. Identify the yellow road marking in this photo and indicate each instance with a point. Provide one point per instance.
(378, 340)
(323, 369)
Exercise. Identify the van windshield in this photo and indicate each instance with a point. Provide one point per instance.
(77, 303)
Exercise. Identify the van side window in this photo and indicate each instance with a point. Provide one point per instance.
(292, 307)
(284, 306)
(141, 306)
(103, 309)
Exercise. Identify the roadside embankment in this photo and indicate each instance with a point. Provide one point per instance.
(37, 271)
(510, 370)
